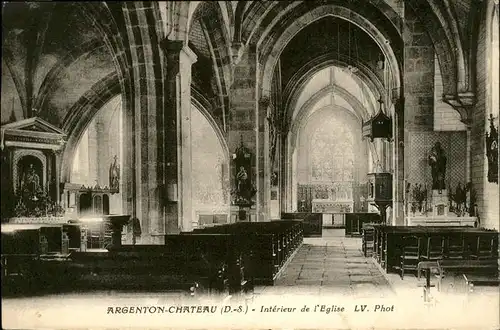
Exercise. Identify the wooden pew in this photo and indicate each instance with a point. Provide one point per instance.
(268, 245)
(388, 240)
(227, 259)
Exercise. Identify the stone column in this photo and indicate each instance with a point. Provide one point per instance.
(177, 136)
(243, 123)
(263, 160)
(57, 174)
(283, 176)
(468, 166)
(398, 187)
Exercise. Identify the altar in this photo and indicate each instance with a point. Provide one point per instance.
(441, 212)
(441, 221)
(331, 206)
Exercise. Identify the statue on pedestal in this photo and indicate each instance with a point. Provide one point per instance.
(114, 175)
(437, 161)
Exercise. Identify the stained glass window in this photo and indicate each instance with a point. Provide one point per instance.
(332, 152)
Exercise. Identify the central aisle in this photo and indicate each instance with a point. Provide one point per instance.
(330, 265)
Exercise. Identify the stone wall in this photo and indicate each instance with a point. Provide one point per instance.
(445, 117)
(418, 77)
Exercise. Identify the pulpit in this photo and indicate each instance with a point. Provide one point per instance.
(380, 192)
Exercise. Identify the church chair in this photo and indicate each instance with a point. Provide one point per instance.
(455, 248)
(434, 249)
(484, 249)
(368, 240)
(410, 254)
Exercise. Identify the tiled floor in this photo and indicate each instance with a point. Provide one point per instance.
(332, 264)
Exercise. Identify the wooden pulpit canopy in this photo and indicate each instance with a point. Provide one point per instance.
(378, 126)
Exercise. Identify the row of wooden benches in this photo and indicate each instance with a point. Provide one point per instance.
(469, 252)
(270, 244)
(402, 247)
(228, 259)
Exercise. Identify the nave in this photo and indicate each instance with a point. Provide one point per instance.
(329, 271)
(207, 150)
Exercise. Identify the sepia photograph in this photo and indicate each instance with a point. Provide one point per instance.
(321, 164)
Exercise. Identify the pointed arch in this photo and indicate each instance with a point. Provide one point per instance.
(276, 43)
(81, 114)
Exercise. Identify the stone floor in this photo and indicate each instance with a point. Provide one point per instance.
(330, 265)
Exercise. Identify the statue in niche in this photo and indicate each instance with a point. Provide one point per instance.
(242, 179)
(114, 174)
(30, 184)
(437, 161)
(274, 179)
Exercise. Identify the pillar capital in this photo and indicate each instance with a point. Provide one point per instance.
(265, 101)
(174, 48)
(395, 95)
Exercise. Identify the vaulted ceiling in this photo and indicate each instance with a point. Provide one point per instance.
(342, 40)
(72, 46)
(50, 57)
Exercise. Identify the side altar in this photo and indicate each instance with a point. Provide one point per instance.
(443, 211)
(34, 202)
(440, 206)
(30, 157)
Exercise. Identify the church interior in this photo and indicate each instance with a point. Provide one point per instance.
(243, 148)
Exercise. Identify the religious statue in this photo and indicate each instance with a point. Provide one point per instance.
(114, 174)
(274, 179)
(242, 178)
(244, 190)
(437, 161)
(30, 184)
